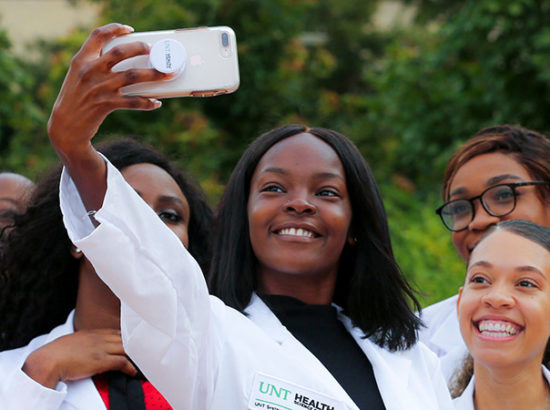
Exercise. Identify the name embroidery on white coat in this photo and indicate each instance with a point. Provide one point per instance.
(270, 393)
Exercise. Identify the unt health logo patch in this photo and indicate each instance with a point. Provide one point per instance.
(270, 393)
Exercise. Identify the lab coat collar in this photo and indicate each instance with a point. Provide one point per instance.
(391, 369)
(259, 313)
(263, 317)
(82, 394)
(445, 337)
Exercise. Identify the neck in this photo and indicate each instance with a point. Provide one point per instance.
(310, 289)
(510, 388)
(96, 306)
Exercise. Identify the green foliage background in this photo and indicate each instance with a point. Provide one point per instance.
(408, 96)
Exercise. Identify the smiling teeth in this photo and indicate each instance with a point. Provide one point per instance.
(497, 328)
(296, 232)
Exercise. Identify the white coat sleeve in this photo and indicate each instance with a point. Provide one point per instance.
(19, 391)
(166, 311)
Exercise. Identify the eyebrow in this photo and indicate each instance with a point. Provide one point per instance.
(528, 268)
(170, 198)
(484, 264)
(491, 181)
(317, 175)
(525, 268)
(166, 198)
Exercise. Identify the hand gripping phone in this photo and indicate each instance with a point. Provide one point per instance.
(204, 60)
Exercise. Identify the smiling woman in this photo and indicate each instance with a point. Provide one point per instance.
(503, 310)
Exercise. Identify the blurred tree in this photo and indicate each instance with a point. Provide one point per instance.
(407, 96)
(20, 119)
(479, 63)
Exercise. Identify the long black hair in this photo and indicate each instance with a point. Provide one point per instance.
(38, 274)
(370, 286)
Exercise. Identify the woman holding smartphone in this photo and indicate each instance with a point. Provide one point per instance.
(310, 310)
(502, 173)
(503, 311)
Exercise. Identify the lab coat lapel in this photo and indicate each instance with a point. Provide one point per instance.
(445, 337)
(391, 369)
(83, 395)
(263, 317)
(258, 312)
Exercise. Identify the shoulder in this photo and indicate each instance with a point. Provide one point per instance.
(466, 400)
(13, 355)
(441, 332)
(439, 312)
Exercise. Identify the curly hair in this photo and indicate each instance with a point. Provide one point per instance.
(39, 276)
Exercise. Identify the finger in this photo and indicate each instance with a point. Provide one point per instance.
(115, 332)
(139, 75)
(123, 364)
(101, 35)
(140, 103)
(122, 52)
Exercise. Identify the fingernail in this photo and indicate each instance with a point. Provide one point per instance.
(156, 103)
(129, 28)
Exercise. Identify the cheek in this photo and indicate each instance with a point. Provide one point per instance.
(459, 239)
(541, 311)
(181, 232)
(465, 312)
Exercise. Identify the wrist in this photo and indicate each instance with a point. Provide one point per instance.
(41, 369)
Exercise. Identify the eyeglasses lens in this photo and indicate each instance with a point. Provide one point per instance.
(457, 214)
(498, 201)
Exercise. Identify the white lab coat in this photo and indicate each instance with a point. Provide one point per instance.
(19, 392)
(442, 335)
(199, 353)
(466, 400)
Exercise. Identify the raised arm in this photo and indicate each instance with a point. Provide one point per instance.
(166, 320)
(90, 92)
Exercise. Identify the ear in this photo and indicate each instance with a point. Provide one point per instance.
(76, 253)
(352, 239)
(459, 297)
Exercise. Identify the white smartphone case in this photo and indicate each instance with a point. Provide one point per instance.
(211, 63)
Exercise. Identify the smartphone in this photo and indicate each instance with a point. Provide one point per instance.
(206, 60)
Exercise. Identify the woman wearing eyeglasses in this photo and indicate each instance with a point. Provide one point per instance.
(502, 173)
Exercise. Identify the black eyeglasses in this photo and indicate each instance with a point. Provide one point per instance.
(498, 200)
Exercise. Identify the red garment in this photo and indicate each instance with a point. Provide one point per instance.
(153, 399)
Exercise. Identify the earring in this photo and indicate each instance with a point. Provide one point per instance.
(78, 250)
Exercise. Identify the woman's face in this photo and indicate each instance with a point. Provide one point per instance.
(15, 191)
(299, 213)
(162, 193)
(504, 306)
(482, 172)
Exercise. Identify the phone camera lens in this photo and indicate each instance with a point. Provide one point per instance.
(225, 40)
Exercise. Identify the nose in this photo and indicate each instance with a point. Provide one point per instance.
(482, 219)
(300, 205)
(498, 297)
